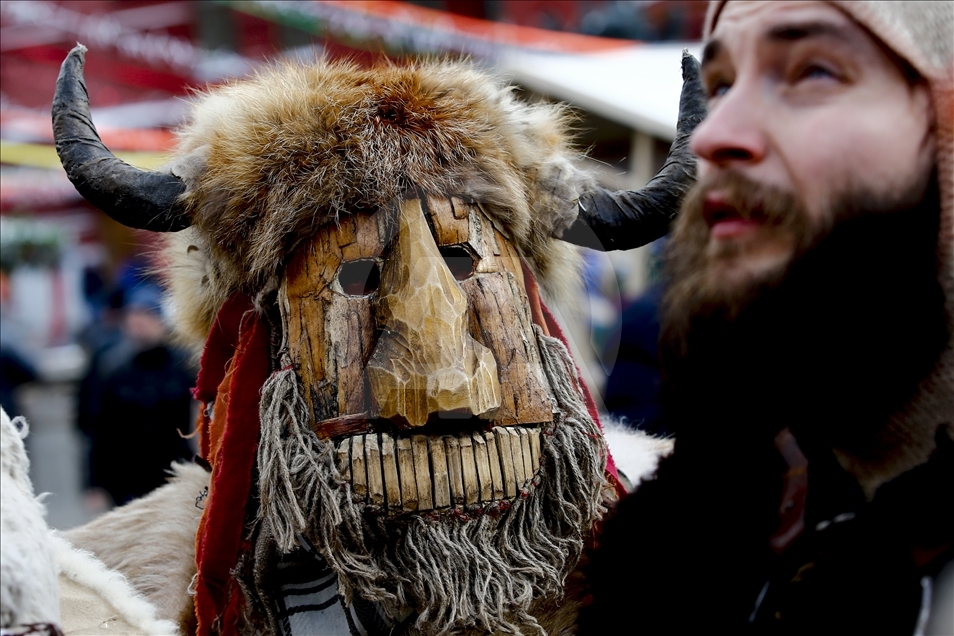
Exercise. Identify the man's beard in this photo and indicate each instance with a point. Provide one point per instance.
(455, 568)
(697, 269)
(831, 340)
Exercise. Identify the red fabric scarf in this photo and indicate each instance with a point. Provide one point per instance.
(235, 364)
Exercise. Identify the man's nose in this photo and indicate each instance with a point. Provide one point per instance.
(426, 362)
(732, 132)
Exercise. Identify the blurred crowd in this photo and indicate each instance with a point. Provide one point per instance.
(132, 400)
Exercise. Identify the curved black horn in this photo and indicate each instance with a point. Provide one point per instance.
(136, 198)
(629, 219)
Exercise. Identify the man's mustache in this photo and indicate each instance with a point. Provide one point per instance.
(749, 199)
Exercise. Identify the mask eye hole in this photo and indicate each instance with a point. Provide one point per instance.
(359, 278)
(459, 260)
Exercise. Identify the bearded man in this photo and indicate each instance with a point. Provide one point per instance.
(807, 339)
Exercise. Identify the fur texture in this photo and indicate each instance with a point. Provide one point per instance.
(28, 589)
(32, 556)
(270, 159)
(110, 586)
(152, 540)
(635, 453)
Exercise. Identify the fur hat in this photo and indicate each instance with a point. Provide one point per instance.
(269, 159)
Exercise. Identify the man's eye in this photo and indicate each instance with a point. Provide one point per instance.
(359, 278)
(718, 89)
(814, 71)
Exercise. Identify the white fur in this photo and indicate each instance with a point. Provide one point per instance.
(29, 592)
(635, 453)
(151, 540)
(83, 568)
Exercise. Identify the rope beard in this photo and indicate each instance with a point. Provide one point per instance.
(457, 569)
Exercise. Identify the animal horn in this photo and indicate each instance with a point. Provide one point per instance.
(136, 198)
(629, 219)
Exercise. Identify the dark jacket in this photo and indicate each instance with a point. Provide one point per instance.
(143, 402)
(697, 562)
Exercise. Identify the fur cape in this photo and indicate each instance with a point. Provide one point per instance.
(28, 592)
(47, 585)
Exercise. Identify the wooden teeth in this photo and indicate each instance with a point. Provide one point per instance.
(431, 472)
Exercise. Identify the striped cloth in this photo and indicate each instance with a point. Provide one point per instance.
(309, 603)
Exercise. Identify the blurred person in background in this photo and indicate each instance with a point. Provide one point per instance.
(136, 403)
(632, 386)
(16, 368)
(806, 347)
(100, 337)
(15, 371)
(107, 302)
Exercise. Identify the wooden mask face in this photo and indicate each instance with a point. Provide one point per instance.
(412, 335)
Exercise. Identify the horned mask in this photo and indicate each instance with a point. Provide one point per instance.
(359, 250)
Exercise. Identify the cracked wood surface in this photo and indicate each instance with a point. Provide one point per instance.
(332, 336)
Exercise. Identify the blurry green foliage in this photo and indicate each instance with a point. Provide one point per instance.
(30, 243)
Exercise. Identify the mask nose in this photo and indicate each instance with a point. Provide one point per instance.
(425, 361)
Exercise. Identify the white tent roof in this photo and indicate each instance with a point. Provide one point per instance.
(637, 86)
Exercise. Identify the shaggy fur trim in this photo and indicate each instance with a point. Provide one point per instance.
(84, 569)
(270, 159)
(151, 541)
(635, 453)
(193, 283)
(28, 589)
(14, 462)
